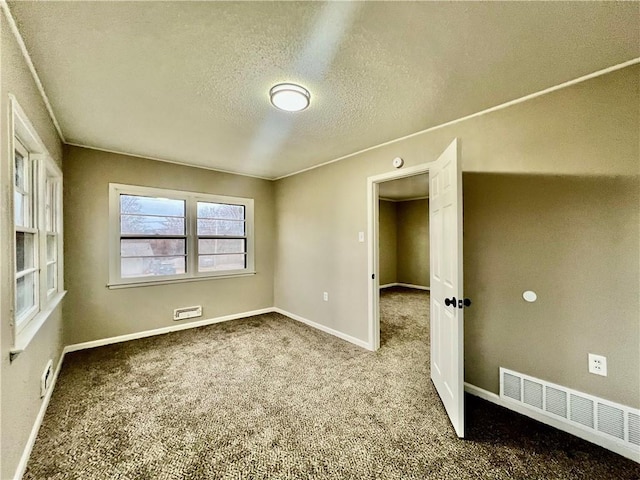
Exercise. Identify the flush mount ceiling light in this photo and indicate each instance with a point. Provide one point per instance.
(289, 97)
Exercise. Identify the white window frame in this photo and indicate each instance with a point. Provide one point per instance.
(42, 170)
(31, 228)
(191, 200)
(51, 227)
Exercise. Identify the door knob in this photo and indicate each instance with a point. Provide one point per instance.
(450, 302)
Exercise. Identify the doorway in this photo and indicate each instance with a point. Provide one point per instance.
(445, 274)
(397, 185)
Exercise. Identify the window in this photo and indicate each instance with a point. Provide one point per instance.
(37, 225)
(26, 242)
(160, 236)
(52, 201)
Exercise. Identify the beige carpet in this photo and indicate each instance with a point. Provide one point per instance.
(268, 397)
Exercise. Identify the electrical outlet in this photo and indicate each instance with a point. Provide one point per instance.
(598, 364)
(325, 296)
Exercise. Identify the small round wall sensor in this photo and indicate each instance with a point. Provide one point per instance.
(398, 162)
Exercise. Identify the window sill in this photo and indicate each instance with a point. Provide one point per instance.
(115, 286)
(28, 333)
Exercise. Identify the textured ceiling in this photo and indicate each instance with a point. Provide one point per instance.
(189, 81)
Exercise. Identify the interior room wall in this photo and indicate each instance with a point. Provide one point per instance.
(388, 264)
(20, 380)
(575, 139)
(413, 242)
(92, 311)
(574, 241)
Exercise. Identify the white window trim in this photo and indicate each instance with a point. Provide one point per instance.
(191, 199)
(42, 164)
(30, 163)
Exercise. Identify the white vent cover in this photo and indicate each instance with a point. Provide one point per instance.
(634, 429)
(598, 416)
(187, 312)
(582, 410)
(532, 393)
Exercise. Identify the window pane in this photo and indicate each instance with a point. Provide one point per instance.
(145, 225)
(165, 207)
(220, 227)
(214, 263)
(50, 205)
(220, 210)
(152, 266)
(19, 208)
(20, 169)
(25, 293)
(24, 251)
(51, 248)
(51, 276)
(152, 247)
(221, 246)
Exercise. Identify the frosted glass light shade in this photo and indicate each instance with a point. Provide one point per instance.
(289, 97)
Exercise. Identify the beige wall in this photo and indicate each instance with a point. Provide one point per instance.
(20, 379)
(413, 242)
(404, 242)
(572, 240)
(92, 311)
(589, 134)
(388, 263)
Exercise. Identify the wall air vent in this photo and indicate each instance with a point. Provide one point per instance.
(589, 417)
(187, 312)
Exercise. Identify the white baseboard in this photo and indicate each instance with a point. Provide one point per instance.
(26, 453)
(417, 287)
(211, 321)
(406, 285)
(578, 432)
(330, 331)
(160, 331)
(24, 459)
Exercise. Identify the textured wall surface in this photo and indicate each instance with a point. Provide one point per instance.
(20, 380)
(413, 242)
(404, 242)
(93, 311)
(587, 131)
(388, 266)
(574, 241)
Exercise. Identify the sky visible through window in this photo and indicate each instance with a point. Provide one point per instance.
(142, 216)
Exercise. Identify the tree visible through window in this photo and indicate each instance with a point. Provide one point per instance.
(222, 243)
(153, 236)
(167, 234)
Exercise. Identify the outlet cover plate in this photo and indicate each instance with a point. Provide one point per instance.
(598, 364)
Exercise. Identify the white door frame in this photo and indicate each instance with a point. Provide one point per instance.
(374, 245)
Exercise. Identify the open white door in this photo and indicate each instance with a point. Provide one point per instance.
(447, 327)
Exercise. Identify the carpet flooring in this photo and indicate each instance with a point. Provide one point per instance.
(270, 398)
